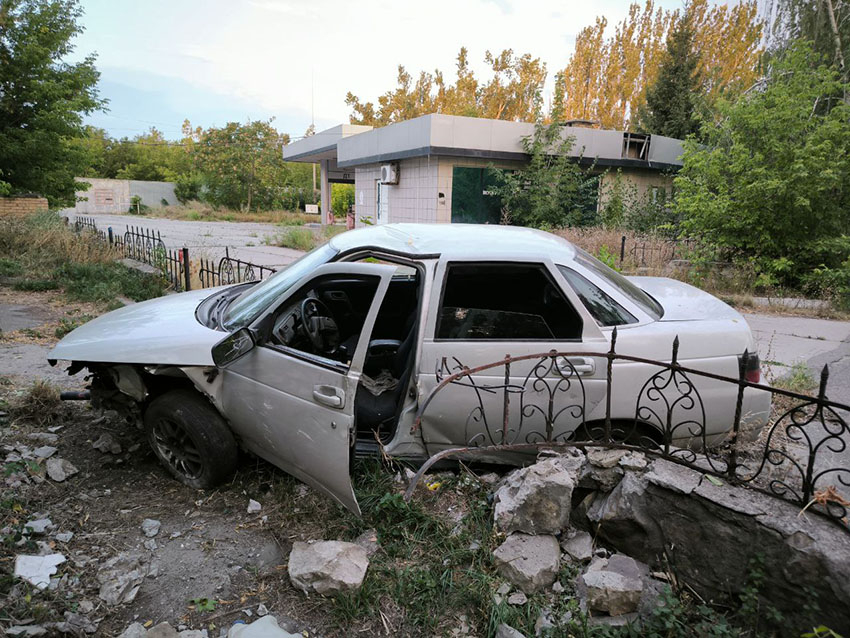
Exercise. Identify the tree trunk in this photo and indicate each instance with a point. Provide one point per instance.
(839, 54)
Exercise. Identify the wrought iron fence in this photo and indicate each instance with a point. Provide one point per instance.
(646, 252)
(146, 245)
(543, 400)
(82, 224)
(230, 270)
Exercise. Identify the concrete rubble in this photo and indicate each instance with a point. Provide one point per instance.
(37, 570)
(529, 562)
(121, 578)
(327, 567)
(537, 499)
(59, 469)
(506, 631)
(107, 444)
(150, 527)
(253, 506)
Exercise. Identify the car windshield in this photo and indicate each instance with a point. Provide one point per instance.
(248, 306)
(646, 303)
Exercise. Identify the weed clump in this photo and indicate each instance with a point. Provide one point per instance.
(40, 403)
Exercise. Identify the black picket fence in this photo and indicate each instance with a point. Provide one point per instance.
(524, 404)
(230, 270)
(146, 245)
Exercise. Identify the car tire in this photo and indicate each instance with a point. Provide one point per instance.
(191, 439)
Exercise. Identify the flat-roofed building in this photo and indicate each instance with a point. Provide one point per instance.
(437, 168)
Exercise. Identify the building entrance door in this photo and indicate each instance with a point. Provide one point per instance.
(382, 205)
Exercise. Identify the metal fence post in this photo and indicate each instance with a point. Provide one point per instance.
(187, 275)
(111, 238)
(622, 249)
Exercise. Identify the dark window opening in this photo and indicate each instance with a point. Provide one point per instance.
(507, 302)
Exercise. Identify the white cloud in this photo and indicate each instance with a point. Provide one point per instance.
(269, 52)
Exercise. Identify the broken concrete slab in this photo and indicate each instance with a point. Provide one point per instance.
(327, 567)
(150, 527)
(37, 570)
(265, 627)
(59, 469)
(578, 545)
(107, 444)
(537, 499)
(529, 562)
(610, 592)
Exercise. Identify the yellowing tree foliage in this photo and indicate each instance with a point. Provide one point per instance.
(511, 93)
(607, 77)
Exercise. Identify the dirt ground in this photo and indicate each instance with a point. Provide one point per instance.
(208, 546)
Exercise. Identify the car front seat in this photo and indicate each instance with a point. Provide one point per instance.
(376, 413)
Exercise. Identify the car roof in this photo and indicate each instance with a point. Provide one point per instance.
(458, 241)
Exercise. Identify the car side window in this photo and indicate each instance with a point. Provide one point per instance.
(604, 310)
(325, 317)
(504, 301)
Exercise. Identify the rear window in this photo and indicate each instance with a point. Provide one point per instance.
(646, 302)
(605, 311)
(504, 301)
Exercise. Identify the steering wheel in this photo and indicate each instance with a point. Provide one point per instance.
(319, 325)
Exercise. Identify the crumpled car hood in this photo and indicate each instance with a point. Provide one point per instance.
(159, 331)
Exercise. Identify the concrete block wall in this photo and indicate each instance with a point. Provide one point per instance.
(413, 199)
(16, 206)
(115, 195)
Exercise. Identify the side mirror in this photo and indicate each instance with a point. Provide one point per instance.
(232, 347)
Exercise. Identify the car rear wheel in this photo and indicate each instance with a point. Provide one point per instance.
(191, 439)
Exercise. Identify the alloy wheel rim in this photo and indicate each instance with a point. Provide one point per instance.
(177, 449)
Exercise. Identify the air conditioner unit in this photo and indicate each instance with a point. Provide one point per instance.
(389, 174)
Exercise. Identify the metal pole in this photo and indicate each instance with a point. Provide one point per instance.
(187, 275)
(111, 238)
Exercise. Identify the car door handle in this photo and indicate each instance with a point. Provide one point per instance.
(584, 366)
(329, 395)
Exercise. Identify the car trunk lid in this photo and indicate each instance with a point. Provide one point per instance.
(683, 302)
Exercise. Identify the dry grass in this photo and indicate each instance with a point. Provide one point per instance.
(652, 255)
(43, 241)
(197, 211)
(38, 404)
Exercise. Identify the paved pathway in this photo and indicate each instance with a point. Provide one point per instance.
(207, 239)
(815, 342)
(784, 341)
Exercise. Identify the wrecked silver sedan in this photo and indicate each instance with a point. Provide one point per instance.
(335, 354)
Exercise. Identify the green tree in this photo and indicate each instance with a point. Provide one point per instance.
(342, 196)
(43, 98)
(242, 165)
(670, 107)
(552, 190)
(772, 185)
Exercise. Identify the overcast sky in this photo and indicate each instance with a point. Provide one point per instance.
(215, 61)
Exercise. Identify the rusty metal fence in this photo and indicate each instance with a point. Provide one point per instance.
(146, 245)
(794, 456)
(230, 270)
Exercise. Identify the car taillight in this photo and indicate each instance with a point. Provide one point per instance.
(752, 372)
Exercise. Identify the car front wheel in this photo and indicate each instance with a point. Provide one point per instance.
(191, 439)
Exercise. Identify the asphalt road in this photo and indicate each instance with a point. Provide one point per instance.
(206, 239)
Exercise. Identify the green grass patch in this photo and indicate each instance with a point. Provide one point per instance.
(10, 268)
(104, 282)
(36, 285)
(799, 379)
(295, 237)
